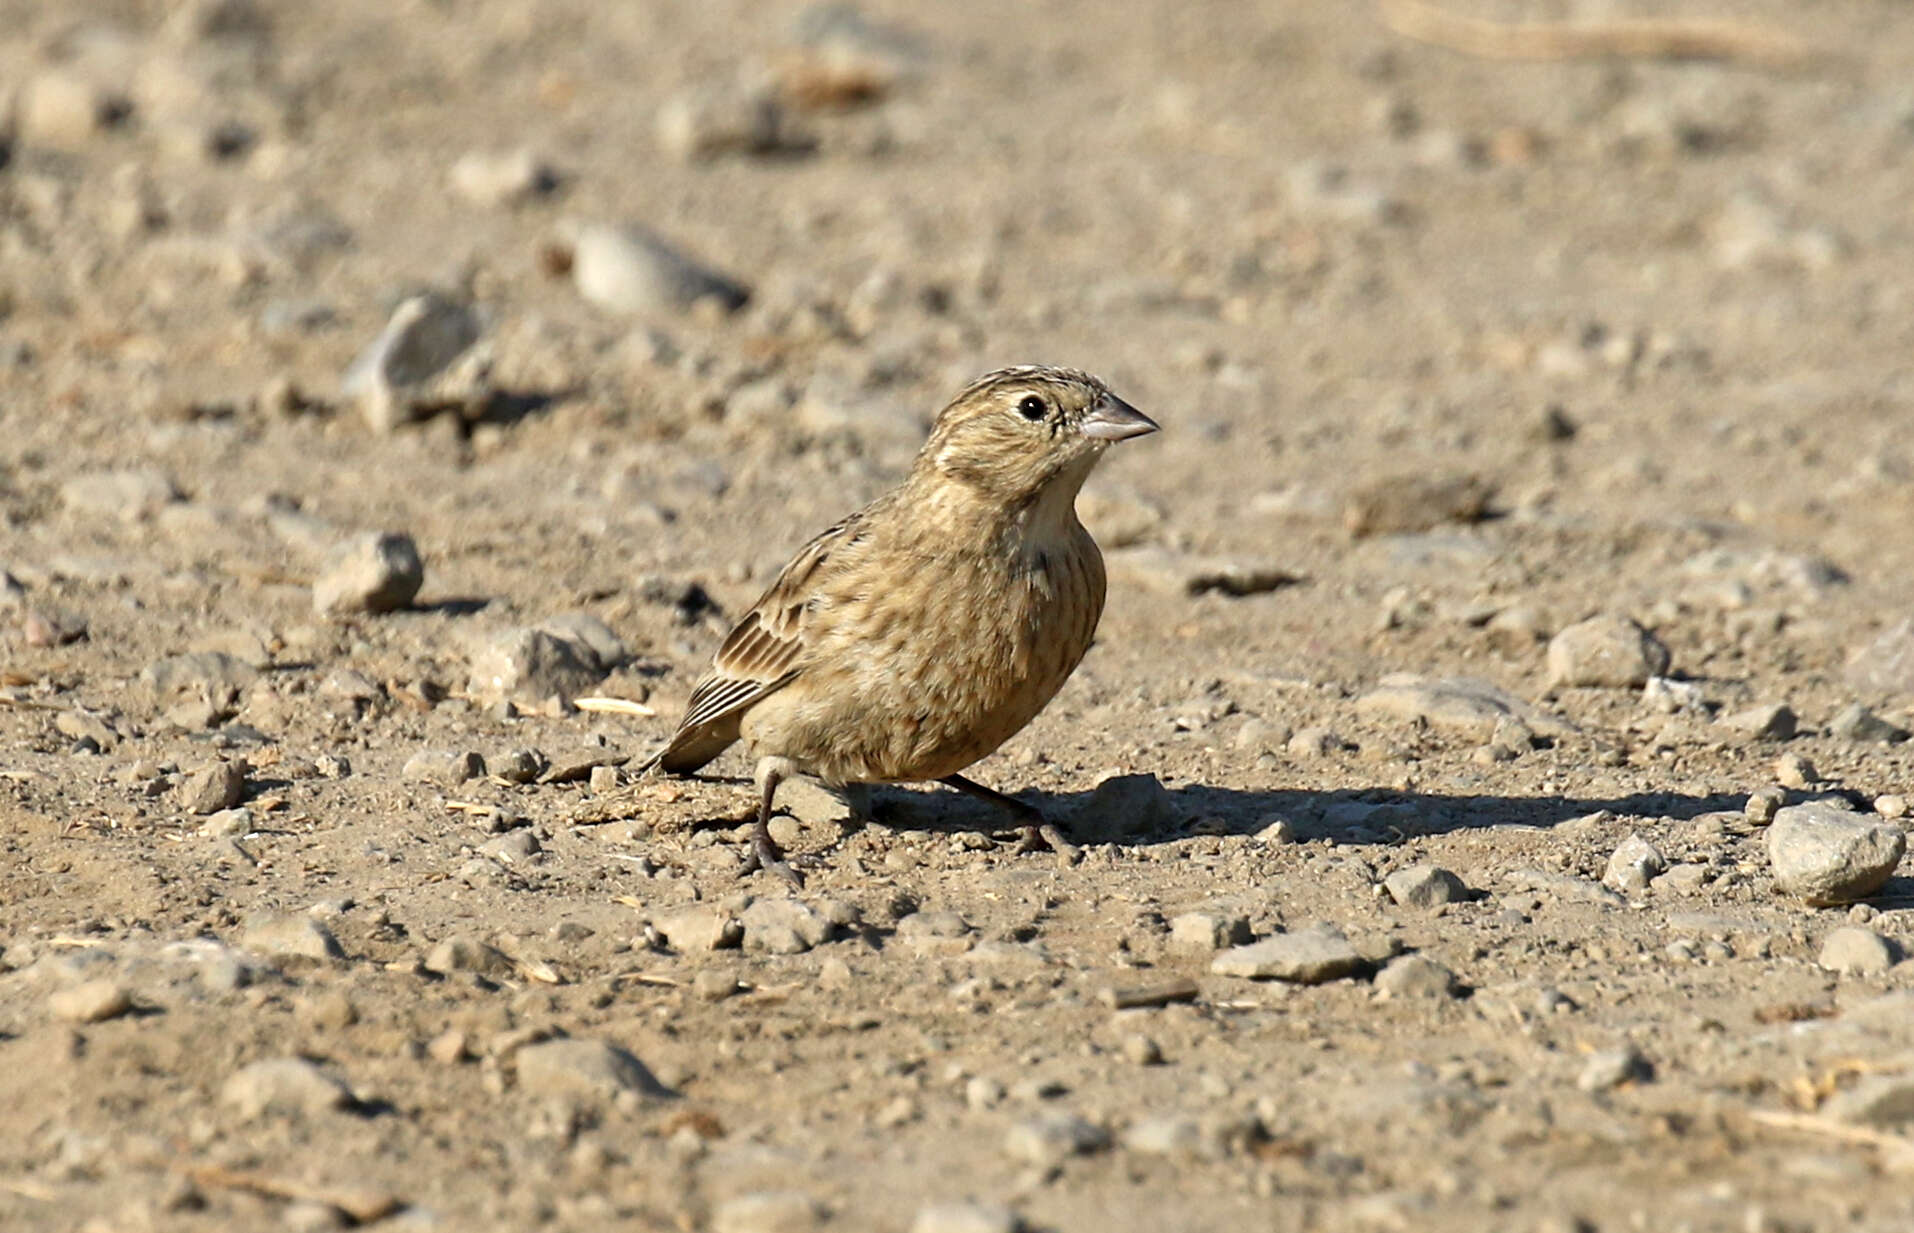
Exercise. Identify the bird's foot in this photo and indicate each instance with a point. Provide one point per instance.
(766, 855)
(1041, 836)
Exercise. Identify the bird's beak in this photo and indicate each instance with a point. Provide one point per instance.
(1112, 419)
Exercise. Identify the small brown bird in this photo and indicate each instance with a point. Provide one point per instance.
(922, 632)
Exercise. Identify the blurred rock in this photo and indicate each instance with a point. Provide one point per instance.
(715, 119)
(1415, 976)
(1180, 573)
(1858, 724)
(1306, 957)
(62, 109)
(585, 1068)
(628, 269)
(1425, 886)
(1773, 722)
(132, 495)
(1461, 703)
(1633, 864)
(373, 573)
(390, 378)
(1607, 650)
(1885, 665)
(1126, 806)
(93, 1001)
(288, 1086)
(1406, 504)
(1853, 951)
(497, 179)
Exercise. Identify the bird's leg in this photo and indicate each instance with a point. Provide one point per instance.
(1037, 833)
(765, 853)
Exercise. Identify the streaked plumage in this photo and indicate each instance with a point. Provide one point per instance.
(922, 632)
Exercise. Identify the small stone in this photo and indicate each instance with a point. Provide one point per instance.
(1774, 722)
(1634, 863)
(1425, 886)
(1208, 931)
(1611, 1068)
(603, 779)
(328, 1010)
(967, 1216)
(1415, 976)
(495, 179)
(1858, 724)
(631, 270)
(93, 1001)
(1180, 573)
(1886, 665)
(721, 118)
(518, 765)
(1763, 804)
(296, 936)
(1140, 1050)
(287, 1086)
(531, 666)
(711, 985)
(512, 848)
(1607, 650)
(425, 335)
(214, 787)
(1464, 704)
(1313, 743)
(449, 1047)
(448, 768)
(584, 1068)
(770, 1211)
(1828, 855)
(984, 1092)
(783, 927)
(1276, 832)
(59, 109)
(464, 954)
(1854, 951)
(1406, 504)
(228, 824)
(1167, 1136)
(1048, 1141)
(1877, 1100)
(1126, 806)
(1891, 805)
(1308, 957)
(374, 573)
(703, 927)
(1795, 771)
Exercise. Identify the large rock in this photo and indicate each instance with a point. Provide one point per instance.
(1606, 650)
(1306, 957)
(1829, 855)
(379, 572)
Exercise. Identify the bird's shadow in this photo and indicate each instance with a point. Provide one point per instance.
(1151, 816)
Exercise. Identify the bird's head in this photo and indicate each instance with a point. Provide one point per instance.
(1013, 433)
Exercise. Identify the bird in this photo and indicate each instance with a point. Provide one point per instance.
(914, 637)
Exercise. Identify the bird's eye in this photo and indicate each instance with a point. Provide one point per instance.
(1032, 408)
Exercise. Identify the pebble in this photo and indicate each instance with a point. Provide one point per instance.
(60, 109)
(1611, 1068)
(1763, 804)
(1634, 863)
(1415, 976)
(783, 927)
(966, 1216)
(584, 1068)
(1858, 724)
(1674, 697)
(702, 927)
(1772, 722)
(984, 1092)
(449, 1047)
(1406, 504)
(1794, 771)
(1828, 855)
(629, 269)
(374, 573)
(1049, 1140)
(719, 118)
(464, 954)
(1462, 703)
(1179, 573)
(1126, 806)
(769, 1211)
(1854, 951)
(490, 179)
(518, 765)
(1168, 1135)
(423, 338)
(447, 768)
(711, 985)
(512, 848)
(1885, 665)
(288, 1086)
(1314, 742)
(1140, 1050)
(1877, 1100)
(131, 495)
(228, 824)
(533, 665)
(295, 936)
(1208, 931)
(1276, 832)
(1891, 805)
(1425, 886)
(214, 787)
(1308, 957)
(93, 1001)
(328, 1010)
(1606, 650)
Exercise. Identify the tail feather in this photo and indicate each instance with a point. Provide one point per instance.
(691, 750)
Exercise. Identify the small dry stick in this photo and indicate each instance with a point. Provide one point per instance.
(1897, 1149)
(1644, 39)
(361, 1206)
(613, 706)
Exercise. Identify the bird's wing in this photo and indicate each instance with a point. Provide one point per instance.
(761, 653)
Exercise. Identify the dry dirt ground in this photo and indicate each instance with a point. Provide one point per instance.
(1451, 354)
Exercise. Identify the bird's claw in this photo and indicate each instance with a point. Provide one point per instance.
(768, 856)
(1041, 836)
